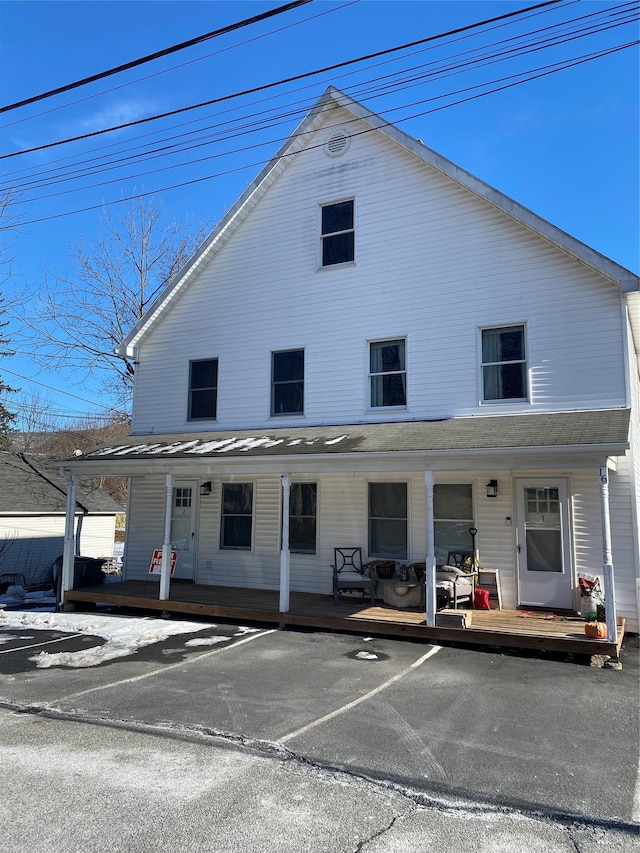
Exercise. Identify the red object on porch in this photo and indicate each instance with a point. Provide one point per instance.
(481, 599)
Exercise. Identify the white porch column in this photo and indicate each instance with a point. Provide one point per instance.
(430, 561)
(607, 557)
(165, 569)
(68, 550)
(285, 554)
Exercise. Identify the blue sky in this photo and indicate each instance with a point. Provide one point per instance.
(564, 145)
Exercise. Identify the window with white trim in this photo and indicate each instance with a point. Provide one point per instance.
(453, 517)
(237, 516)
(303, 513)
(338, 233)
(203, 389)
(387, 373)
(287, 382)
(388, 520)
(504, 364)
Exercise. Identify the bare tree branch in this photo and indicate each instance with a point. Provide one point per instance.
(74, 321)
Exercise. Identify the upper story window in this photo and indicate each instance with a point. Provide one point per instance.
(338, 236)
(287, 382)
(504, 364)
(387, 373)
(203, 389)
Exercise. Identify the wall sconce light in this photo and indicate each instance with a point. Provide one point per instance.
(205, 488)
(492, 489)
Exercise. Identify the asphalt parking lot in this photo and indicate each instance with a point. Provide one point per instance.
(523, 733)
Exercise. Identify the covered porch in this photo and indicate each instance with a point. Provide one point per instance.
(263, 579)
(514, 629)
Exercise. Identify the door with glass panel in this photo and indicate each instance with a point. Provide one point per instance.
(543, 542)
(183, 528)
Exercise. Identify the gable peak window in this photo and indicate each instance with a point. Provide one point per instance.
(203, 389)
(504, 364)
(338, 234)
(287, 382)
(387, 373)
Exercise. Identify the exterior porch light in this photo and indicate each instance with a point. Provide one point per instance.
(492, 489)
(205, 488)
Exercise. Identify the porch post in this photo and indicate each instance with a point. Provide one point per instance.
(68, 549)
(285, 554)
(165, 568)
(430, 561)
(607, 558)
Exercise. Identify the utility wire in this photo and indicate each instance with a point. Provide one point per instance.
(571, 64)
(378, 89)
(158, 54)
(267, 99)
(57, 390)
(183, 65)
(276, 83)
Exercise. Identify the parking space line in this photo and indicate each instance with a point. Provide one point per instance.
(46, 643)
(164, 669)
(361, 699)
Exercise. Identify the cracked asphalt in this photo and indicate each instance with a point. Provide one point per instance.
(294, 741)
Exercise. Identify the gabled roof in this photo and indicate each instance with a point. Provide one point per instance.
(318, 116)
(33, 485)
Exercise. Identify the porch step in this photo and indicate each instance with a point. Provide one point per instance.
(453, 619)
(489, 579)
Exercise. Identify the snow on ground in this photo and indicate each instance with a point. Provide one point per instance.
(124, 635)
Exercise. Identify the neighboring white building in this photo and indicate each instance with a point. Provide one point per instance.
(32, 517)
(390, 352)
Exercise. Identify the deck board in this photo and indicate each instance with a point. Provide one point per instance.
(507, 628)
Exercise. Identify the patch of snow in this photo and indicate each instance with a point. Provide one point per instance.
(123, 635)
(336, 440)
(366, 656)
(206, 641)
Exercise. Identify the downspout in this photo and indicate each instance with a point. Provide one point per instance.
(607, 558)
(430, 560)
(285, 554)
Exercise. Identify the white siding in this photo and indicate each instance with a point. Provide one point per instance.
(433, 263)
(31, 544)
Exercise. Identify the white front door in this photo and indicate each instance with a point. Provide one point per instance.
(544, 553)
(183, 528)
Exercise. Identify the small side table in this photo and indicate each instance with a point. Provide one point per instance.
(401, 594)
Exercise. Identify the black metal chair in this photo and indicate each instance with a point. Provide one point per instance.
(349, 574)
(12, 579)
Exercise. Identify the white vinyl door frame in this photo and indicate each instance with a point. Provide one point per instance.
(184, 514)
(545, 575)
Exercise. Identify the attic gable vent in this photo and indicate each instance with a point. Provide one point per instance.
(337, 144)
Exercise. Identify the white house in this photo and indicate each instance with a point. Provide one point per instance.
(376, 348)
(33, 499)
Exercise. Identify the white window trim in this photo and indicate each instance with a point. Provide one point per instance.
(368, 404)
(237, 481)
(316, 482)
(381, 478)
(511, 401)
(285, 415)
(321, 267)
(188, 418)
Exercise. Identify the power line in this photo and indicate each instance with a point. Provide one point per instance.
(57, 390)
(270, 121)
(118, 145)
(534, 76)
(282, 82)
(184, 64)
(157, 55)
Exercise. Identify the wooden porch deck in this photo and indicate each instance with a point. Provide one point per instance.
(508, 628)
